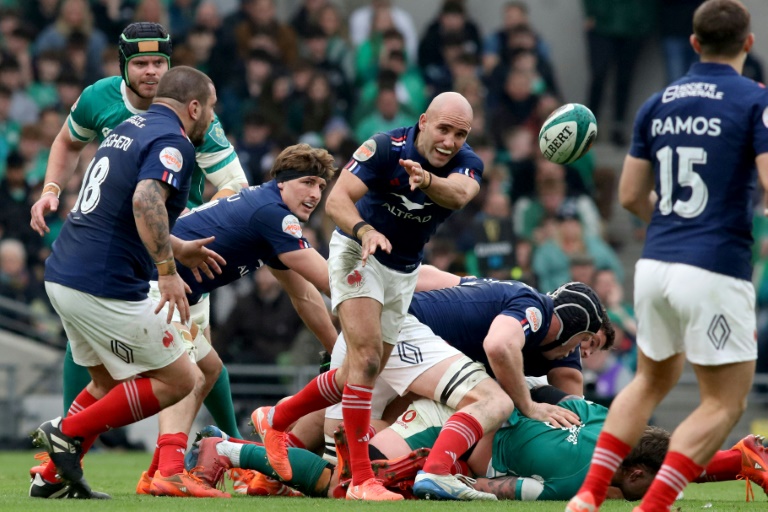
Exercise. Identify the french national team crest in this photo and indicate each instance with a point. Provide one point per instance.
(355, 278)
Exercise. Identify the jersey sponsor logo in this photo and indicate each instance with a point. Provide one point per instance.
(534, 317)
(136, 120)
(167, 339)
(690, 125)
(365, 151)
(291, 226)
(411, 205)
(171, 159)
(397, 212)
(409, 416)
(216, 133)
(355, 278)
(693, 89)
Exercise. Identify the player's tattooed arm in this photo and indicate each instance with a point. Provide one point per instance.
(503, 487)
(151, 218)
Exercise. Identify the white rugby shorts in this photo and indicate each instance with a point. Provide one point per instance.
(199, 314)
(682, 308)
(127, 337)
(349, 279)
(418, 349)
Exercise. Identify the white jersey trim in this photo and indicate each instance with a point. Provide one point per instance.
(124, 94)
(206, 160)
(80, 131)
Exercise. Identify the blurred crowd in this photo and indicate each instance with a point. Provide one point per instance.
(332, 78)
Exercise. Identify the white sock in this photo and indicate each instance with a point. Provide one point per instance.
(230, 450)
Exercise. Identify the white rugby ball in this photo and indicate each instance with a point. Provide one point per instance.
(568, 133)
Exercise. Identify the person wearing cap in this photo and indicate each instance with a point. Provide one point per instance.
(145, 56)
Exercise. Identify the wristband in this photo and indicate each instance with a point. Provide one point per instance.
(166, 267)
(357, 227)
(428, 183)
(51, 188)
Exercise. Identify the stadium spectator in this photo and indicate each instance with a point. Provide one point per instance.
(616, 33)
(10, 130)
(496, 47)
(23, 108)
(308, 14)
(493, 239)
(674, 23)
(339, 49)
(15, 201)
(552, 258)
(388, 115)
(452, 19)
(361, 22)
(74, 16)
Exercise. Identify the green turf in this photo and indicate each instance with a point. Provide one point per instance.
(117, 474)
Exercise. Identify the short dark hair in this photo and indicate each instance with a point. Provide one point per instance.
(304, 158)
(610, 332)
(649, 451)
(721, 27)
(184, 84)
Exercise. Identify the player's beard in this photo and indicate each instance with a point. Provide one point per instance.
(197, 134)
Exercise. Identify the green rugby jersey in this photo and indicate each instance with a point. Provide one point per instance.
(560, 457)
(104, 105)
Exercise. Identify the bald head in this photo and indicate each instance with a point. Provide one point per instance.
(452, 102)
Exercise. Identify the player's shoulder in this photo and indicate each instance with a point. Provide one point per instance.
(103, 91)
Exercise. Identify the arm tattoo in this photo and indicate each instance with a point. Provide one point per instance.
(503, 487)
(151, 218)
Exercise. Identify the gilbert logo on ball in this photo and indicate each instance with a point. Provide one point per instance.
(568, 133)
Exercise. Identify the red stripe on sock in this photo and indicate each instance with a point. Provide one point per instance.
(670, 481)
(126, 403)
(459, 434)
(356, 411)
(294, 441)
(321, 392)
(609, 453)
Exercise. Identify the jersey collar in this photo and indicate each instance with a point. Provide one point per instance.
(712, 68)
(126, 101)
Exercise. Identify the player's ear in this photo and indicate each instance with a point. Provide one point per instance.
(422, 121)
(749, 42)
(695, 43)
(194, 109)
(636, 474)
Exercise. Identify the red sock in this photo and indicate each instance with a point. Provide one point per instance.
(320, 393)
(356, 411)
(82, 402)
(460, 467)
(294, 441)
(172, 448)
(609, 453)
(126, 403)
(459, 434)
(724, 467)
(670, 481)
(155, 461)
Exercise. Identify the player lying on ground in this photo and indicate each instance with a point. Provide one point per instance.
(515, 463)
(491, 314)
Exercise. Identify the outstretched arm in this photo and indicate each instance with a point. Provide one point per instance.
(62, 162)
(453, 192)
(309, 305)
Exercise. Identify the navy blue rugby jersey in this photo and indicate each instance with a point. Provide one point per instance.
(702, 134)
(463, 314)
(251, 228)
(99, 250)
(407, 218)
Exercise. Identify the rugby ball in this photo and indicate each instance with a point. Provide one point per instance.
(568, 133)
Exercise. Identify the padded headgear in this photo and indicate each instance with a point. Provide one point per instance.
(579, 310)
(143, 39)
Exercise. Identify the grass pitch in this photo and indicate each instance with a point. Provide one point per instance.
(117, 473)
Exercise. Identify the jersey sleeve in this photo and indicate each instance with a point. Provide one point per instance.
(760, 122)
(470, 165)
(80, 119)
(370, 162)
(170, 159)
(640, 147)
(281, 229)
